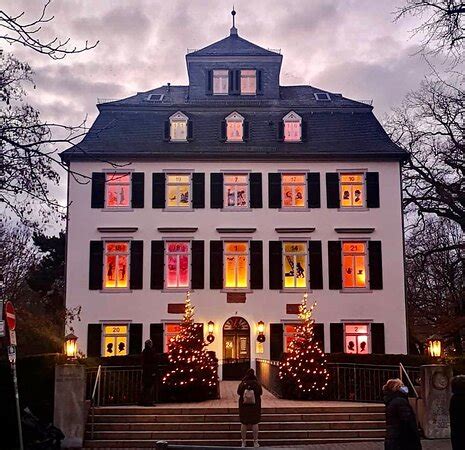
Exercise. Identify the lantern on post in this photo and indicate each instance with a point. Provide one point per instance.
(434, 346)
(211, 329)
(71, 346)
(261, 331)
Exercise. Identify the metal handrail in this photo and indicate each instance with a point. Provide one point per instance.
(92, 405)
(402, 370)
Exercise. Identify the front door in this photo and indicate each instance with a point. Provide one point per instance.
(236, 348)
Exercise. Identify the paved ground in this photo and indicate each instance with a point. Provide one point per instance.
(440, 444)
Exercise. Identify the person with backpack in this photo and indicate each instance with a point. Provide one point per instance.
(250, 406)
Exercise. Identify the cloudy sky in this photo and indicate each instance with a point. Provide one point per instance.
(347, 46)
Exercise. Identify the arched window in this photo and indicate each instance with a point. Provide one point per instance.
(292, 127)
(178, 127)
(234, 127)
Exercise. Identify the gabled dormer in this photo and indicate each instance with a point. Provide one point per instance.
(233, 67)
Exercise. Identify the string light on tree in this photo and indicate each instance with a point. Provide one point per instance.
(303, 373)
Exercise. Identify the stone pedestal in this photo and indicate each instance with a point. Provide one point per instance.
(69, 416)
(435, 395)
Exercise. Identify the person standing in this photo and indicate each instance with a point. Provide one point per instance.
(149, 367)
(457, 413)
(401, 424)
(250, 406)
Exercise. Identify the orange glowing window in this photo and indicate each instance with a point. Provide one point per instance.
(171, 330)
(248, 82)
(354, 263)
(118, 190)
(352, 188)
(177, 264)
(116, 265)
(178, 187)
(235, 131)
(295, 265)
(236, 189)
(115, 340)
(293, 190)
(236, 265)
(289, 333)
(356, 338)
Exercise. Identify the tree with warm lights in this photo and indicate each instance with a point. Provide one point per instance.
(303, 373)
(191, 372)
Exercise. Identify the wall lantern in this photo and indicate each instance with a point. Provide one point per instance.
(434, 346)
(71, 346)
(261, 331)
(211, 329)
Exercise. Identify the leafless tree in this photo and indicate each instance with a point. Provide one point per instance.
(442, 28)
(17, 30)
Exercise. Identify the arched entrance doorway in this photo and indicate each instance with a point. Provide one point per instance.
(236, 348)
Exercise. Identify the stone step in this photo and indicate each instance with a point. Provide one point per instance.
(264, 426)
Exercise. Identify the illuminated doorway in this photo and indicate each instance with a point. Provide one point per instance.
(236, 348)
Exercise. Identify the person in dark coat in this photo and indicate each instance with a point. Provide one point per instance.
(250, 413)
(401, 424)
(149, 367)
(457, 413)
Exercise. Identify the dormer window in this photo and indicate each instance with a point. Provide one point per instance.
(178, 127)
(248, 82)
(292, 127)
(234, 128)
(220, 82)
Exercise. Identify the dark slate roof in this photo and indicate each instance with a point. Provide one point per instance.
(134, 127)
(233, 45)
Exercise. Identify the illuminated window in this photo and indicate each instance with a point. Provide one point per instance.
(118, 190)
(116, 265)
(220, 82)
(236, 191)
(352, 189)
(292, 127)
(236, 257)
(178, 127)
(234, 128)
(295, 265)
(354, 262)
(356, 338)
(177, 264)
(248, 82)
(289, 333)
(293, 190)
(171, 330)
(178, 188)
(115, 340)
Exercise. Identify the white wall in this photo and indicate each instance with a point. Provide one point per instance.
(149, 306)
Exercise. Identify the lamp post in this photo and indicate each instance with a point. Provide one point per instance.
(71, 346)
(434, 346)
(211, 329)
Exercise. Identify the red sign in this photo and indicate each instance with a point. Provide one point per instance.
(10, 315)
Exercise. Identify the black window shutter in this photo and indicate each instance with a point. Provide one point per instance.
(334, 264)
(237, 81)
(316, 264)
(158, 190)
(209, 82)
(198, 264)
(304, 135)
(256, 264)
(98, 190)
(135, 338)
(94, 339)
(259, 82)
(167, 131)
(332, 190)
(276, 341)
(276, 264)
(96, 265)
(216, 264)
(319, 335)
(256, 200)
(274, 190)
(372, 179)
(199, 330)
(337, 337)
(137, 264)
(377, 338)
(223, 131)
(280, 135)
(198, 196)
(313, 185)
(157, 272)
(246, 130)
(156, 336)
(375, 264)
(190, 130)
(231, 84)
(137, 189)
(216, 190)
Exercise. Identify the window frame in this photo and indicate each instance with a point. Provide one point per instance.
(288, 334)
(364, 241)
(304, 207)
(102, 340)
(108, 174)
(226, 207)
(104, 268)
(235, 117)
(166, 334)
(357, 172)
(306, 288)
(227, 82)
(188, 207)
(368, 335)
(178, 117)
(246, 77)
(225, 254)
(189, 263)
(292, 117)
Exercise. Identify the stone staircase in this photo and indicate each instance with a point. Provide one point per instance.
(135, 427)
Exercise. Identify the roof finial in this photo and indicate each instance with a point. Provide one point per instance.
(233, 30)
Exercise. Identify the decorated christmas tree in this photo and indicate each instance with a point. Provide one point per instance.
(191, 372)
(303, 373)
